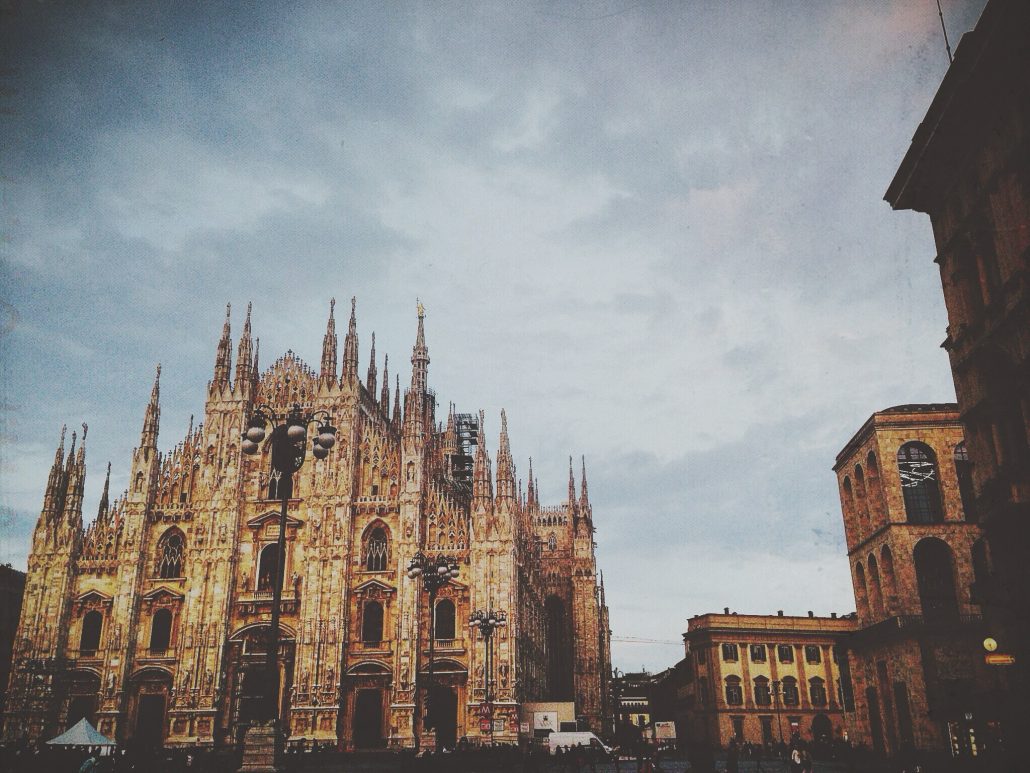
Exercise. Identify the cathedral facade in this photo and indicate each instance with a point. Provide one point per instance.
(153, 620)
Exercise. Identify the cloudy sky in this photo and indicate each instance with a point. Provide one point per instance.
(653, 232)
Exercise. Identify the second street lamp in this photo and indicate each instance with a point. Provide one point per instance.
(487, 623)
(288, 439)
(435, 573)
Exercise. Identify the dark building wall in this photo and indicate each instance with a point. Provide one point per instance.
(12, 588)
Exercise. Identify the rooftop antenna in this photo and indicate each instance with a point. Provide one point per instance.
(944, 29)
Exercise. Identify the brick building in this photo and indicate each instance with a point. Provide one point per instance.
(153, 620)
(916, 658)
(968, 168)
(765, 678)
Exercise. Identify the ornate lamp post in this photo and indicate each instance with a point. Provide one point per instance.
(776, 685)
(288, 439)
(487, 623)
(435, 573)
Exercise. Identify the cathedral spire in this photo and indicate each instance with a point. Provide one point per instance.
(420, 356)
(223, 359)
(384, 398)
(482, 489)
(584, 500)
(350, 345)
(76, 475)
(244, 356)
(105, 502)
(257, 354)
(370, 379)
(396, 420)
(53, 500)
(531, 493)
(572, 485)
(152, 418)
(505, 466)
(328, 371)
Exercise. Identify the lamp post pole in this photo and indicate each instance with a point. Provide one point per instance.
(288, 440)
(776, 701)
(487, 623)
(435, 573)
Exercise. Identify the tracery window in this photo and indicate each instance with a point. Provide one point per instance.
(160, 631)
(377, 550)
(170, 549)
(734, 691)
(817, 691)
(444, 626)
(552, 542)
(372, 623)
(920, 483)
(763, 697)
(92, 624)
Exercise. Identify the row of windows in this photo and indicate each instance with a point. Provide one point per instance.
(786, 692)
(93, 625)
(920, 484)
(444, 627)
(757, 653)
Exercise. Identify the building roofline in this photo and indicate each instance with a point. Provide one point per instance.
(797, 625)
(908, 414)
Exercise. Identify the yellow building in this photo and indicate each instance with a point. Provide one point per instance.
(153, 621)
(765, 678)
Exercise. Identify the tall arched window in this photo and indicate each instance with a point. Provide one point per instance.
(817, 691)
(874, 486)
(763, 697)
(849, 497)
(889, 579)
(861, 594)
(935, 579)
(443, 628)
(791, 697)
(170, 549)
(861, 501)
(372, 622)
(920, 485)
(964, 473)
(92, 624)
(377, 550)
(734, 691)
(552, 542)
(875, 589)
(268, 568)
(160, 630)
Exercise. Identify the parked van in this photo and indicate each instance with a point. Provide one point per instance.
(572, 740)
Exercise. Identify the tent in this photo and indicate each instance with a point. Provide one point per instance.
(82, 733)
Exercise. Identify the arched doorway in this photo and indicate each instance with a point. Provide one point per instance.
(822, 729)
(368, 719)
(445, 715)
(151, 689)
(249, 685)
(83, 695)
(449, 682)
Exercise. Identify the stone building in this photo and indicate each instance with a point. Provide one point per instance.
(153, 620)
(765, 678)
(916, 659)
(968, 168)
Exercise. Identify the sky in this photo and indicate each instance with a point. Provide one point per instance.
(652, 232)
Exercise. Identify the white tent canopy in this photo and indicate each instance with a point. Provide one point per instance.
(82, 733)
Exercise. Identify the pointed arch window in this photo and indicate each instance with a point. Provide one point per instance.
(372, 622)
(160, 631)
(920, 485)
(268, 568)
(92, 625)
(443, 627)
(377, 550)
(552, 542)
(170, 550)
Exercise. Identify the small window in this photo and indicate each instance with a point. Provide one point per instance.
(92, 623)
(817, 691)
(734, 691)
(377, 551)
(785, 653)
(160, 631)
(790, 691)
(552, 542)
(268, 568)
(372, 623)
(763, 697)
(813, 654)
(757, 653)
(444, 627)
(729, 653)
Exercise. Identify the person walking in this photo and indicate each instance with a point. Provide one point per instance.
(733, 757)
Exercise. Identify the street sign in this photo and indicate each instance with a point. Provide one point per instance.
(999, 659)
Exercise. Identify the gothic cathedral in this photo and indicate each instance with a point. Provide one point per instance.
(153, 620)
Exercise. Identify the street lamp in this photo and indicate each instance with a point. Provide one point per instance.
(288, 438)
(435, 573)
(487, 623)
(776, 704)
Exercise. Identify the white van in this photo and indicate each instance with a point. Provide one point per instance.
(572, 740)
